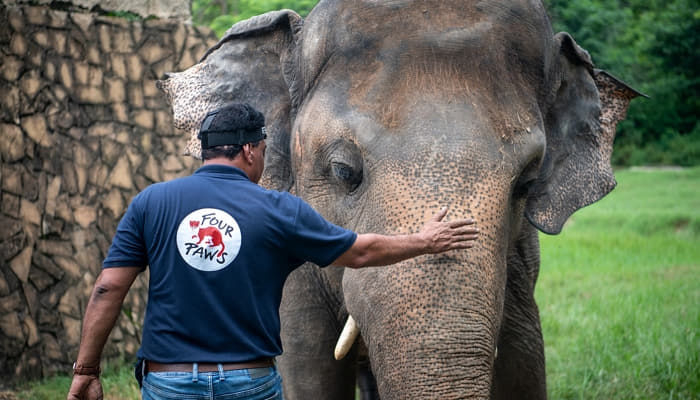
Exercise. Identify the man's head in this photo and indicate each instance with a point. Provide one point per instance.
(235, 132)
(224, 130)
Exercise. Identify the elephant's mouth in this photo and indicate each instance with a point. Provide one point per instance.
(351, 330)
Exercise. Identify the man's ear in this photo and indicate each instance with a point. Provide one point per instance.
(580, 126)
(252, 63)
(248, 152)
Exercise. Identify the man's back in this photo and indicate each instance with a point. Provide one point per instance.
(219, 249)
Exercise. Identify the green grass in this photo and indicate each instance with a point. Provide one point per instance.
(619, 297)
(619, 292)
(117, 379)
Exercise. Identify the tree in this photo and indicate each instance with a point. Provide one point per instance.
(653, 46)
(222, 14)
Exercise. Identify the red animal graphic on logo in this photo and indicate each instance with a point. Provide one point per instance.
(211, 236)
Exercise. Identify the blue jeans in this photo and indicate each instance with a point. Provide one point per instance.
(241, 384)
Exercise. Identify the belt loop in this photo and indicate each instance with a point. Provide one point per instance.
(221, 372)
(195, 372)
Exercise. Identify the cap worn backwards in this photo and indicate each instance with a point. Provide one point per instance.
(234, 124)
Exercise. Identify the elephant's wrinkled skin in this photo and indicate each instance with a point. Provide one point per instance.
(380, 113)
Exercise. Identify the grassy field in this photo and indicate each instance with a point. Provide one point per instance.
(117, 379)
(619, 292)
(619, 296)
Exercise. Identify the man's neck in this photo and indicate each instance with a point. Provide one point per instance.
(224, 161)
(236, 162)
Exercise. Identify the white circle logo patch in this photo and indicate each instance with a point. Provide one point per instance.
(208, 239)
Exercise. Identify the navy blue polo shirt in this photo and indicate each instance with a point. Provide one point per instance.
(219, 248)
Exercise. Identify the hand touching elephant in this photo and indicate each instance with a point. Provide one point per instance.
(380, 111)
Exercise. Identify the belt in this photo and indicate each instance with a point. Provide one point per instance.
(152, 366)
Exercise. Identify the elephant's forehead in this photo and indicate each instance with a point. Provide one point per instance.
(357, 27)
(389, 60)
(410, 14)
(418, 123)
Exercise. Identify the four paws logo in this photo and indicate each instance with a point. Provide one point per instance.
(208, 239)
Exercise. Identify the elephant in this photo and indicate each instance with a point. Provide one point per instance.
(381, 112)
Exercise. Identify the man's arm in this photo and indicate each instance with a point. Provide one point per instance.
(100, 316)
(436, 237)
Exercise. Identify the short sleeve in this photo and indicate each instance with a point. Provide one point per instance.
(313, 238)
(128, 246)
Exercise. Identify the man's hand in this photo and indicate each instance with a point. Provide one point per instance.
(85, 387)
(448, 235)
(102, 311)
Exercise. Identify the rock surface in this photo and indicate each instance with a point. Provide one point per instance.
(83, 130)
(179, 9)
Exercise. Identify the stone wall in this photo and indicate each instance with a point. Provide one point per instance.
(145, 8)
(83, 129)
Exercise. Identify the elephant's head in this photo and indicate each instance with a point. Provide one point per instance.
(381, 113)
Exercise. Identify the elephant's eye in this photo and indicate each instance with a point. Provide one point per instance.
(340, 162)
(342, 171)
(347, 175)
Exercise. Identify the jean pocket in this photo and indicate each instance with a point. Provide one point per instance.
(173, 385)
(265, 388)
(257, 373)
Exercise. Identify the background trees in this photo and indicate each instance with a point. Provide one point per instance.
(221, 14)
(650, 44)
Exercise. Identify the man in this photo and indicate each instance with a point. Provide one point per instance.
(219, 248)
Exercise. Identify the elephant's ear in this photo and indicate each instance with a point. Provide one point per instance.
(580, 126)
(253, 63)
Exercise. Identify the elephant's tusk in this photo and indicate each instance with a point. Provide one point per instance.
(347, 338)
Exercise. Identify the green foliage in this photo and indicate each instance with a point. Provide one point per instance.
(221, 14)
(669, 149)
(652, 45)
(618, 292)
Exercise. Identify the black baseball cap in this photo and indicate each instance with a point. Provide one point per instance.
(234, 124)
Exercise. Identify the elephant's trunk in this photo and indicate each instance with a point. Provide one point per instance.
(444, 325)
(431, 323)
(347, 338)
